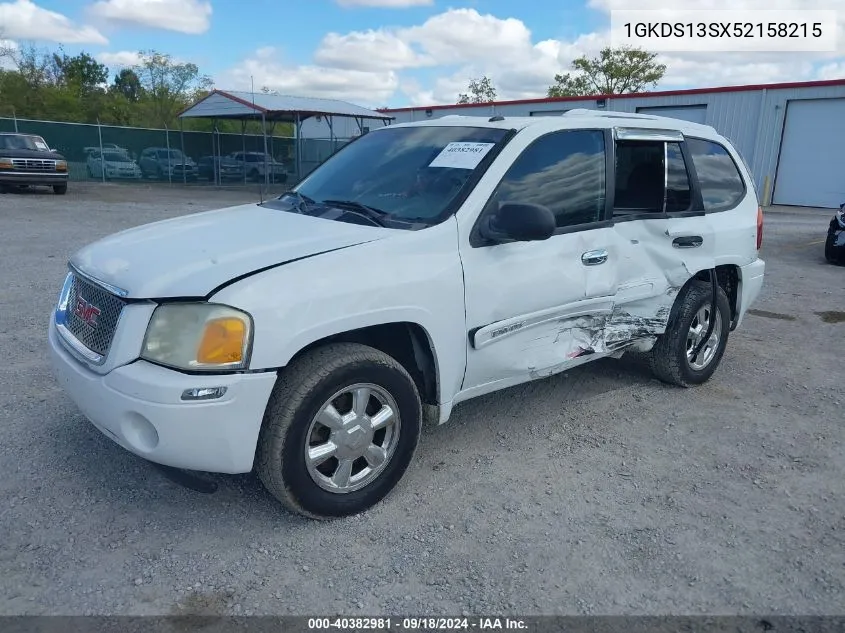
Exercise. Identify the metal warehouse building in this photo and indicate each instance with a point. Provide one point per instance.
(792, 136)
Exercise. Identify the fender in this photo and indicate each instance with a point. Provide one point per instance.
(303, 302)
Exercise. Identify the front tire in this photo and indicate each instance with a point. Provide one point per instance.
(339, 432)
(671, 357)
(60, 190)
(830, 249)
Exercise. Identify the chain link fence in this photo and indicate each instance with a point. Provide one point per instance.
(111, 153)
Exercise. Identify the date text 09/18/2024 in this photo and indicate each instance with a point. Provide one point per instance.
(415, 624)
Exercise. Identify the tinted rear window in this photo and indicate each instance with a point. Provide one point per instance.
(722, 186)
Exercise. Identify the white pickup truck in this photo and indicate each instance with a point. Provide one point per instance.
(308, 337)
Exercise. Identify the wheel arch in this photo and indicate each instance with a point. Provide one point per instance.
(728, 277)
(409, 343)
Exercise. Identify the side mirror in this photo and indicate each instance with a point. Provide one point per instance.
(517, 222)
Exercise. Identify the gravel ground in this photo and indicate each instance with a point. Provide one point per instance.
(600, 491)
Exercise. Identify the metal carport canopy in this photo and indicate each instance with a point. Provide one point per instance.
(243, 106)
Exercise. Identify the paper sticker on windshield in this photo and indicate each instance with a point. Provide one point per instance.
(461, 155)
(41, 145)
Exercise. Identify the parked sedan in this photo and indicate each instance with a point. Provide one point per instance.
(115, 164)
(834, 246)
(255, 163)
(107, 147)
(227, 168)
(164, 164)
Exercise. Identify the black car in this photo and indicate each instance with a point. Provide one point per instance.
(26, 159)
(834, 246)
(226, 168)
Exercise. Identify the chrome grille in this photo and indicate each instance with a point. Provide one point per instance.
(93, 328)
(34, 164)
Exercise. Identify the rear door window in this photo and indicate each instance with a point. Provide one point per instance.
(651, 177)
(722, 186)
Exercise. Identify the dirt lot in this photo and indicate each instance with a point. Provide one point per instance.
(600, 491)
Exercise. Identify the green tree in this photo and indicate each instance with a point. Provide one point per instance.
(81, 72)
(47, 84)
(614, 71)
(127, 84)
(478, 91)
(168, 85)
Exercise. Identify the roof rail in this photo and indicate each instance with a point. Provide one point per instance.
(607, 114)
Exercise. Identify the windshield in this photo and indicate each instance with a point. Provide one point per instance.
(12, 141)
(115, 157)
(407, 173)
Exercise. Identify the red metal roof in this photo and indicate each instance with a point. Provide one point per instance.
(663, 93)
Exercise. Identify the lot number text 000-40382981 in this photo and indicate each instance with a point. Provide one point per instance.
(725, 31)
(421, 623)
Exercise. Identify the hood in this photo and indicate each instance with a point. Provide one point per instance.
(190, 256)
(30, 153)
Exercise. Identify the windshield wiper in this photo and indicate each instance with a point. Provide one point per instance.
(371, 213)
(302, 201)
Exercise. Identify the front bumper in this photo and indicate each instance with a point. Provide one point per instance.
(750, 285)
(123, 175)
(32, 178)
(139, 407)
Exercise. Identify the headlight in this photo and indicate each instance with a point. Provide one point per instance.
(6, 163)
(61, 165)
(199, 336)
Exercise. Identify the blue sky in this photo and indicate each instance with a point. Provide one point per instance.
(403, 52)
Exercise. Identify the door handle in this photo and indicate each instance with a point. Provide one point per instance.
(688, 241)
(594, 258)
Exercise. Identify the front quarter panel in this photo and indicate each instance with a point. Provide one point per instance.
(412, 276)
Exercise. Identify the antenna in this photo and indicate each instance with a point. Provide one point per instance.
(263, 131)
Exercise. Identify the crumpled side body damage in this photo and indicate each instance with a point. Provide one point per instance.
(544, 346)
(631, 315)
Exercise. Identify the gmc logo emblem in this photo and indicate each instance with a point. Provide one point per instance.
(87, 312)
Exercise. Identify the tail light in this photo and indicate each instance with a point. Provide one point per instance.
(759, 227)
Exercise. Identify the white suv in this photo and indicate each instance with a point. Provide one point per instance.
(424, 264)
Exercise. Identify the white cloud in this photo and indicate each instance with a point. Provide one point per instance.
(24, 20)
(375, 66)
(266, 68)
(184, 16)
(478, 44)
(683, 72)
(386, 4)
(120, 59)
(368, 50)
(835, 70)
(465, 34)
(7, 46)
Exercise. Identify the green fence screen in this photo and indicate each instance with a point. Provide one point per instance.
(81, 145)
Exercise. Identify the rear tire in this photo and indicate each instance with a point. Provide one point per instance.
(670, 357)
(314, 389)
(60, 190)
